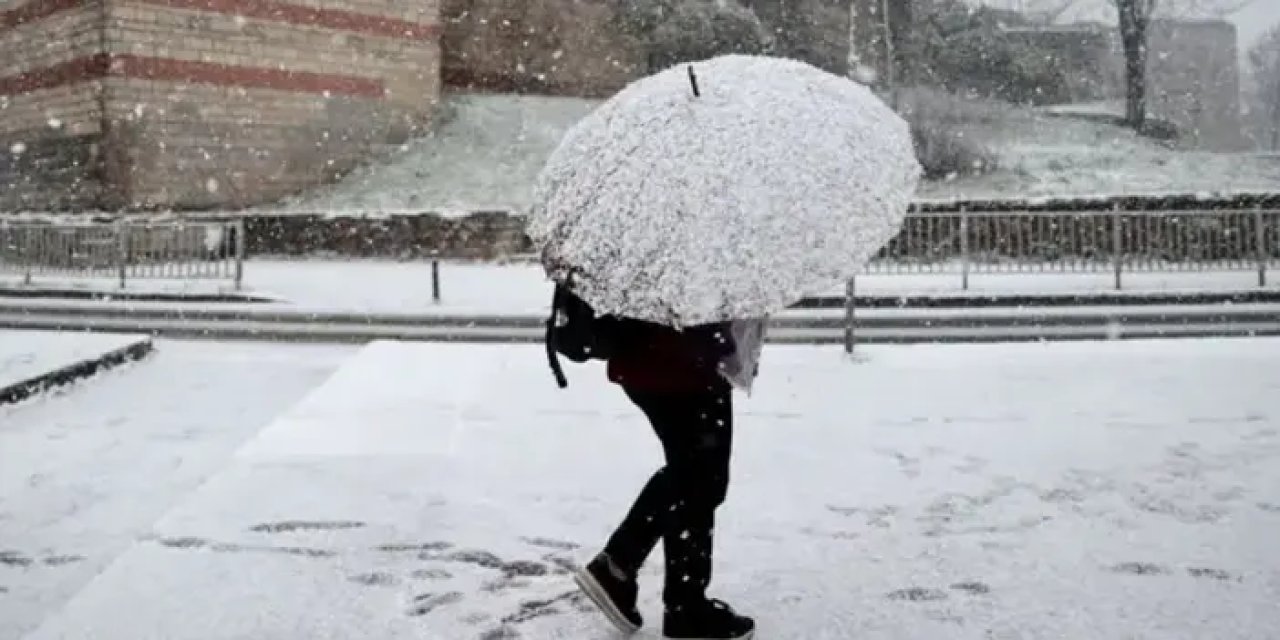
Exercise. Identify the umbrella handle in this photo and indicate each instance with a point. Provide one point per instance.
(693, 81)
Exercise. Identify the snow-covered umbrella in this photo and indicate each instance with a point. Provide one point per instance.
(725, 189)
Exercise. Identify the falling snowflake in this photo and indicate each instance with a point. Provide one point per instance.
(211, 185)
(55, 123)
(18, 148)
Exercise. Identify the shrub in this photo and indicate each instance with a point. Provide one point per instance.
(937, 122)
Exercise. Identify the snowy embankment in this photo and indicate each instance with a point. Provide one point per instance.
(1030, 491)
(31, 361)
(489, 148)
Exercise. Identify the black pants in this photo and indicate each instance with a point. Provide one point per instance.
(679, 503)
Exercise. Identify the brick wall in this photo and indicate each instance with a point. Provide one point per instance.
(214, 103)
(232, 103)
(49, 129)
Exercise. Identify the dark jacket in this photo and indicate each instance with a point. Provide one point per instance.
(658, 359)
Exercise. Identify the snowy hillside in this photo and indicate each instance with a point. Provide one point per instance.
(489, 148)
(483, 156)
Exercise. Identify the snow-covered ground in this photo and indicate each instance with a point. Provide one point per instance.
(86, 470)
(405, 287)
(1094, 490)
(488, 150)
(1043, 155)
(27, 355)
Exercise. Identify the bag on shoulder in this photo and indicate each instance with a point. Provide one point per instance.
(575, 331)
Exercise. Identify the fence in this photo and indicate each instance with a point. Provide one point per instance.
(1083, 242)
(958, 242)
(124, 250)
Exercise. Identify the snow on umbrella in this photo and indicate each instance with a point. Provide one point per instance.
(730, 194)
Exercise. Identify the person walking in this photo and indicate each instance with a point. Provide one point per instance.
(680, 380)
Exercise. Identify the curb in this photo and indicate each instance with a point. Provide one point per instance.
(1098, 299)
(882, 326)
(132, 296)
(20, 391)
(865, 301)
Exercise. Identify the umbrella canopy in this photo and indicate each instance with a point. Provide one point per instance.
(730, 194)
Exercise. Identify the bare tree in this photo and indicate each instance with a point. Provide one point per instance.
(1264, 62)
(1135, 21)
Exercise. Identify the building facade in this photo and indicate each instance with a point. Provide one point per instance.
(203, 103)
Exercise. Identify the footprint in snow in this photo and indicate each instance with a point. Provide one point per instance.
(1140, 569)
(917, 594)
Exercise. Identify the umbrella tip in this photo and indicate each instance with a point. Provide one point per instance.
(693, 81)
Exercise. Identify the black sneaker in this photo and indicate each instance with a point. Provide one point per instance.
(613, 590)
(710, 620)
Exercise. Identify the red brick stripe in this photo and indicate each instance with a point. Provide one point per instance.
(65, 73)
(275, 10)
(189, 72)
(301, 15)
(35, 10)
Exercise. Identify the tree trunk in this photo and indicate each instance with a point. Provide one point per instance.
(1134, 19)
(902, 32)
(890, 47)
(1275, 109)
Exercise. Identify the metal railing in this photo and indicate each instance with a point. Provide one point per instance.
(124, 250)
(1117, 242)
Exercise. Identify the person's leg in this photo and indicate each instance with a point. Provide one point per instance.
(698, 454)
(678, 505)
(610, 578)
(699, 480)
(639, 532)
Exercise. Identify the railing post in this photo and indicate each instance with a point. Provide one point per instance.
(1117, 248)
(964, 248)
(239, 249)
(435, 280)
(850, 291)
(26, 248)
(122, 250)
(1260, 237)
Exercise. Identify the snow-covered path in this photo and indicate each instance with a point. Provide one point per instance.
(86, 470)
(1106, 490)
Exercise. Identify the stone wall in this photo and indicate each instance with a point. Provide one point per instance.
(578, 48)
(484, 236)
(1085, 53)
(1195, 82)
(550, 47)
(214, 103)
(815, 31)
